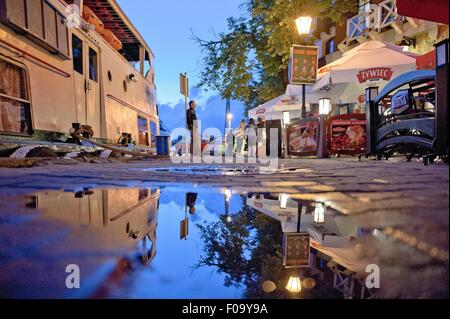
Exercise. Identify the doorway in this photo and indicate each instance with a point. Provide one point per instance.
(86, 76)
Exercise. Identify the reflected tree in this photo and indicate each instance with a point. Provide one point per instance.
(248, 250)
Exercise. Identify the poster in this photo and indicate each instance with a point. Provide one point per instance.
(303, 137)
(303, 65)
(400, 102)
(347, 134)
(296, 250)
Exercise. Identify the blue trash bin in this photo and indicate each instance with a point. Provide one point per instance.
(162, 145)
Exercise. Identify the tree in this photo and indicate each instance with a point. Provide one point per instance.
(249, 63)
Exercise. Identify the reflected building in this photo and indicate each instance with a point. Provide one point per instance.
(128, 216)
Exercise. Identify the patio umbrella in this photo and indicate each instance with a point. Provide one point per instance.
(372, 61)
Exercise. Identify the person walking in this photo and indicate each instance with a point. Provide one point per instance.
(239, 134)
(192, 125)
(251, 134)
(262, 138)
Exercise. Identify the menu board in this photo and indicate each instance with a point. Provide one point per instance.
(296, 250)
(347, 134)
(303, 137)
(303, 65)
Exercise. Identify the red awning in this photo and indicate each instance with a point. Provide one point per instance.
(431, 10)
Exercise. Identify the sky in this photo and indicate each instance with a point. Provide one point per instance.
(167, 27)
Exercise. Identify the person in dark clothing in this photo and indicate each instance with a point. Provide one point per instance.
(191, 199)
(192, 123)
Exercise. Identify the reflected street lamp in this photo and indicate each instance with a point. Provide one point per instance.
(283, 201)
(319, 213)
(294, 284)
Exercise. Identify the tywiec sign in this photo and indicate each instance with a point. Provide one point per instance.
(375, 74)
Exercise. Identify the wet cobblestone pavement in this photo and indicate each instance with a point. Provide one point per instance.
(404, 204)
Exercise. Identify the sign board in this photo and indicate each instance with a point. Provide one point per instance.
(184, 85)
(303, 65)
(184, 229)
(347, 134)
(296, 250)
(400, 102)
(375, 74)
(303, 137)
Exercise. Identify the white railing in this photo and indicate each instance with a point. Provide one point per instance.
(373, 17)
(363, 21)
(387, 14)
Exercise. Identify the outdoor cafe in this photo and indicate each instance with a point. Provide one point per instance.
(327, 115)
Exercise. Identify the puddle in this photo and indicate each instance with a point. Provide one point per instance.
(195, 242)
(201, 170)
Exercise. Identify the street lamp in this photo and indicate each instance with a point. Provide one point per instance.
(324, 106)
(294, 284)
(286, 119)
(229, 119)
(319, 213)
(303, 25)
(324, 111)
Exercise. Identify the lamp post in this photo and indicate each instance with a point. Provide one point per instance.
(303, 24)
(286, 122)
(442, 62)
(324, 111)
(372, 113)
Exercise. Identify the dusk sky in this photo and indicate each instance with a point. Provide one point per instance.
(167, 27)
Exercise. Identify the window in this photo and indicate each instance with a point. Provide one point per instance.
(143, 194)
(77, 51)
(39, 21)
(15, 114)
(143, 131)
(154, 132)
(93, 65)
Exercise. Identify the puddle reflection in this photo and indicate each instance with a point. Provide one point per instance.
(208, 243)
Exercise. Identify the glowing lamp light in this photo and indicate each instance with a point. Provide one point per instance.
(319, 213)
(303, 25)
(228, 194)
(283, 201)
(286, 118)
(229, 116)
(294, 285)
(324, 106)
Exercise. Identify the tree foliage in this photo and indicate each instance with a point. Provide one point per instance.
(249, 62)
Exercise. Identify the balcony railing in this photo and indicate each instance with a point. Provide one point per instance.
(373, 17)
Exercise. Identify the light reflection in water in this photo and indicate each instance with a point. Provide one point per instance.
(232, 246)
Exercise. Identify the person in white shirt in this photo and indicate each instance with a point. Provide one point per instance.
(251, 134)
(239, 134)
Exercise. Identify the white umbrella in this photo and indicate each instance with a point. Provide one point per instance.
(370, 61)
